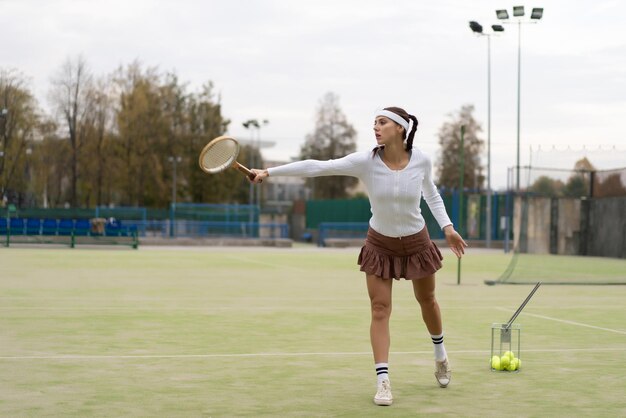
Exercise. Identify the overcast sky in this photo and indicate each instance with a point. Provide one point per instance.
(275, 60)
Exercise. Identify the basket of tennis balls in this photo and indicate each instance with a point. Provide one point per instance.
(507, 362)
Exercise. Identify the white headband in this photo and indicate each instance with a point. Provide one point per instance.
(397, 119)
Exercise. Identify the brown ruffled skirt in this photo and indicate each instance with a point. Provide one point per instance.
(411, 257)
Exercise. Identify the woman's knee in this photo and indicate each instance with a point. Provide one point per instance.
(381, 309)
(426, 299)
(424, 291)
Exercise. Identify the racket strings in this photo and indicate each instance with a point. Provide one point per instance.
(221, 155)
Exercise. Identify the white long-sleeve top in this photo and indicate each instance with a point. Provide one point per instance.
(394, 194)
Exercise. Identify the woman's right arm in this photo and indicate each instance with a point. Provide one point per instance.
(350, 165)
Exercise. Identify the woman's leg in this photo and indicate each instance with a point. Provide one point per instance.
(379, 291)
(424, 290)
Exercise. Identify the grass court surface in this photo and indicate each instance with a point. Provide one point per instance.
(223, 332)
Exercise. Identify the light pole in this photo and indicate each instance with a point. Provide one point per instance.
(502, 14)
(255, 126)
(174, 160)
(478, 29)
(3, 121)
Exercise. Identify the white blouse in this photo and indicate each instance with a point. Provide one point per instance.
(394, 194)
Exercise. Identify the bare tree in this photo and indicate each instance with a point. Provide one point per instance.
(448, 164)
(94, 164)
(69, 97)
(334, 137)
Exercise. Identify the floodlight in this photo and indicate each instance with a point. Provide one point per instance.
(476, 27)
(497, 28)
(537, 13)
(518, 11)
(502, 14)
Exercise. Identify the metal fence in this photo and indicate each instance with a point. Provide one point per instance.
(183, 220)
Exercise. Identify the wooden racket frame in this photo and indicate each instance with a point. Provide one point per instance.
(234, 164)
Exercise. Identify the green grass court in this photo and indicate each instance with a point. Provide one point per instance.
(226, 332)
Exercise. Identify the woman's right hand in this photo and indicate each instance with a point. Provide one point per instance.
(259, 175)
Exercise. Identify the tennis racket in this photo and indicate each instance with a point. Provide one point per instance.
(220, 154)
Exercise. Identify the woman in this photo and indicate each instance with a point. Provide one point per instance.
(397, 245)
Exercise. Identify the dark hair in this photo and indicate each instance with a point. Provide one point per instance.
(406, 116)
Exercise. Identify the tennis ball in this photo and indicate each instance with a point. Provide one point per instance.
(495, 363)
(512, 365)
(505, 361)
(509, 354)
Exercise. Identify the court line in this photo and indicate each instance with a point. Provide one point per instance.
(302, 354)
(199, 298)
(565, 321)
(209, 309)
(265, 263)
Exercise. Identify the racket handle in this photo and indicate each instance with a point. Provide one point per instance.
(246, 171)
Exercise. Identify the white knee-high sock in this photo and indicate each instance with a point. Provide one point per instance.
(440, 349)
(382, 371)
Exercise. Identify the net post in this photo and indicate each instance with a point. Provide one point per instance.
(172, 209)
(462, 163)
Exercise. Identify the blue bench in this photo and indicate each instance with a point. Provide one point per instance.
(114, 228)
(33, 226)
(17, 226)
(66, 226)
(49, 227)
(82, 227)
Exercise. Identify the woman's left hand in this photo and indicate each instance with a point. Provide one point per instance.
(455, 241)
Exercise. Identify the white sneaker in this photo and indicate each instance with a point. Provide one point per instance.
(383, 394)
(443, 373)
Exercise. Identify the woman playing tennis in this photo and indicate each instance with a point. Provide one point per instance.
(396, 176)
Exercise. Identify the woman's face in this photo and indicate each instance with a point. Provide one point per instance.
(387, 131)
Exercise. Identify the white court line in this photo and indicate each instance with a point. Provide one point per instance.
(208, 301)
(199, 298)
(265, 263)
(305, 354)
(210, 309)
(565, 321)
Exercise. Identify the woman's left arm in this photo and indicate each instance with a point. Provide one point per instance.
(454, 240)
(438, 209)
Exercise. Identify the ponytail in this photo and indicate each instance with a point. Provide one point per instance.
(409, 139)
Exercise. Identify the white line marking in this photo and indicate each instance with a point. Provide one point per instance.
(208, 309)
(207, 299)
(265, 263)
(244, 355)
(276, 307)
(580, 324)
